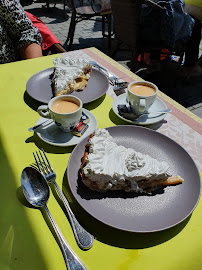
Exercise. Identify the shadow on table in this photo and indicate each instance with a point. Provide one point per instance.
(118, 121)
(19, 244)
(116, 237)
(47, 147)
(32, 103)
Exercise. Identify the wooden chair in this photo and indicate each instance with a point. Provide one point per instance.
(127, 26)
(89, 12)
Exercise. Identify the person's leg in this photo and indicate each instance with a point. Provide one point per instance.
(192, 48)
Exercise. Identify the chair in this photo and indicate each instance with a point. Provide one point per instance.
(50, 44)
(89, 12)
(128, 31)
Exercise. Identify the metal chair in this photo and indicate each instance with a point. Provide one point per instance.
(89, 12)
(127, 26)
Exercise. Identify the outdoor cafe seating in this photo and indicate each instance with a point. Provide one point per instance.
(143, 32)
(50, 209)
(93, 11)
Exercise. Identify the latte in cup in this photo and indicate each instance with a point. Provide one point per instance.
(141, 95)
(142, 90)
(64, 106)
(65, 110)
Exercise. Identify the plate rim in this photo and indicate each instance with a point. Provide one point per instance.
(130, 230)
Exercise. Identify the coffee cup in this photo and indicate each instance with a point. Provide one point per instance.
(141, 95)
(65, 110)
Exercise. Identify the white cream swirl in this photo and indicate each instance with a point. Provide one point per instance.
(108, 161)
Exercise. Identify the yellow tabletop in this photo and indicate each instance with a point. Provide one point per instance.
(26, 236)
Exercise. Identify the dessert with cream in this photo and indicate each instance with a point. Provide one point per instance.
(108, 166)
(70, 75)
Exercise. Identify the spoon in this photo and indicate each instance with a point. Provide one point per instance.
(34, 128)
(36, 192)
(125, 112)
(157, 112)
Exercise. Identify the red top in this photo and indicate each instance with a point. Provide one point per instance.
(48, 38)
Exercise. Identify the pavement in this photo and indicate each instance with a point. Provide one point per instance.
(187, 92)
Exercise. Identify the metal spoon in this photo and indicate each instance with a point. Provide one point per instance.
(34, 128)
(156, 112)
(36, 191)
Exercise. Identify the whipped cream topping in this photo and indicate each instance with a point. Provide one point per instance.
(66, 70)
(109, 162)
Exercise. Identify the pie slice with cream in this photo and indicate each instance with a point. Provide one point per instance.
(108, 166)
(70, 75)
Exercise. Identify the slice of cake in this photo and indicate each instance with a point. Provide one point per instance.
(108, 166)
(70, 75)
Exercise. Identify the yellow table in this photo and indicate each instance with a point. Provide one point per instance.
(26, 236)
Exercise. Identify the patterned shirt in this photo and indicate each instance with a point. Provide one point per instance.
(16, 30)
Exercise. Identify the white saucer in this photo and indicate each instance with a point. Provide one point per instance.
(149, 119)
(51, 134)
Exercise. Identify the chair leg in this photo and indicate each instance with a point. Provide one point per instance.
(47, 4)
(134, 61)
(103, 26)
(64, 6)
(70, 36)
(109, 32)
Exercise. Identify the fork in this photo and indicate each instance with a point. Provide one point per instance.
(84, 239)
(110, 76)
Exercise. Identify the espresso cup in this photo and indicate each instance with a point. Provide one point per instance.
(141, 95)
(65, 110)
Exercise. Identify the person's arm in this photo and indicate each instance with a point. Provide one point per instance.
(29, 51)
(21, 30)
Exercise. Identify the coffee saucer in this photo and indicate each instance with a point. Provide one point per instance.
(50, 133)
(149, 119)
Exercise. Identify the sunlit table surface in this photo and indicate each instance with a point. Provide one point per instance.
(27, 240)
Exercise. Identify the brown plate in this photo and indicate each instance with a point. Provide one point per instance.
(39, 86)
(137, 212)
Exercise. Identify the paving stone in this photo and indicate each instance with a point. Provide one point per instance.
(197, 111)
(196, 106)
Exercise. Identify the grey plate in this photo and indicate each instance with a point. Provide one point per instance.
(141, 213)
(39, 86)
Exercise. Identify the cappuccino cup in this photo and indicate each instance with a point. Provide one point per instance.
(141, 95)
(65, 110)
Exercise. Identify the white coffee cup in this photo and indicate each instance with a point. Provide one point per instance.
(141, 95)
(65, 110)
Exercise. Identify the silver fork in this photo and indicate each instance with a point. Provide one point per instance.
(110, 76)
(84, 239)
